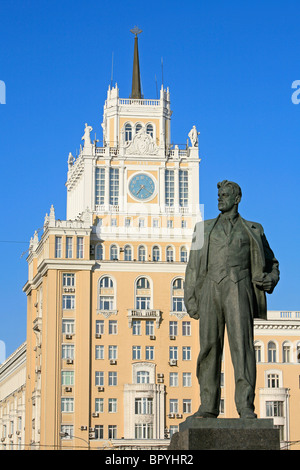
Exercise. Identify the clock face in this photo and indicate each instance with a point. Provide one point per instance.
(142, 187)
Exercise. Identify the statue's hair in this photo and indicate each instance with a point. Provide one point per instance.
(236, 189)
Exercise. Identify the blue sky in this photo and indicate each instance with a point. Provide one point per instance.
(229, 66)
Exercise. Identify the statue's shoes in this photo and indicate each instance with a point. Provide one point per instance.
(248, 414)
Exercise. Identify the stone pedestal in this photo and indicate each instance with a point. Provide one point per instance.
(225, 434)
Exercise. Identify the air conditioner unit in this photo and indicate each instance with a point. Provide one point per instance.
(70, 361)
(173, 362)
(100, 389)
(68, 389)
(178, 416)
(113, 362)
(171, 415)
(160, 380)
(152, 337)
(172, 337)
(95, 415)
(83, 428)
(68, 336)
(98, 335)
(160, 376)
(92, 435)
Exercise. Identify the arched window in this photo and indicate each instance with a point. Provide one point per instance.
(169, 254)
(142, 253)
(113, 252)
(142, 377)
(298, 353)
(286, 352)
(127, 253)
(128, 132)
(183, 254)
(149, 129)
(138, 127)
(258, 351)
(142, 294)
(99, 251)
(271, 352)
(155, 253)
(106, 294)
(177, 302)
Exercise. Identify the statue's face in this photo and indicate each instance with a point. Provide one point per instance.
(226, 199)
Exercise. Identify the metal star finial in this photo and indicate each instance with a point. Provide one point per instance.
(136, 31)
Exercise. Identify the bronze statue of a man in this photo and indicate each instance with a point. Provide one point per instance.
(230, 268)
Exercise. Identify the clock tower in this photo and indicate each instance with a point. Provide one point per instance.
(111, 350)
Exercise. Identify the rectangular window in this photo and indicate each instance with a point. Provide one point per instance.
(142, 303)
(173, 379)
(112, 352)
(112, 378)
(149, 327)
(112, 405)
(100, 327)
(68, 280)
(68, 326)
(169, 188)
(136, 353)
(183, 188)
(173, 405)
(178, 304)
(68, 351)
(99, 434)
(68, 302)
(69, 247)
(186, 353)
(112, 431)
(67, 405)
(150, 353)
(187, 379)
(67, 377)
(143, 406)
(99, 185)
(80, 247)
(173, 352)
(274, 408)
(99, 351)
(186, 328)
(99, 378)
(144, 431)
(99, 405)
(106, 302)
(173, 328)
(136, 327)
(67, 431)
(58, 245)
(187, 406)
(112, 327)
(114, 186)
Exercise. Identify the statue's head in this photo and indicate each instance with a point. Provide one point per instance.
(229, 195)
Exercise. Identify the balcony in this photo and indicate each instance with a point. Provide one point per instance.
(148, 314)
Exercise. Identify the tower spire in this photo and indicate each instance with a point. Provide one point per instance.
(136, 79)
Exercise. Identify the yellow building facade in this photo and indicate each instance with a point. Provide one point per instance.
(110, 351)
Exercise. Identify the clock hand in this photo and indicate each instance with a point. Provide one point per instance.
(142, 186)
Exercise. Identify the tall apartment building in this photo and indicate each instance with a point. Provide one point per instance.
(109, 345)
(110, 356)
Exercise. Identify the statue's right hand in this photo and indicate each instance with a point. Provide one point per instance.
(194, 315)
